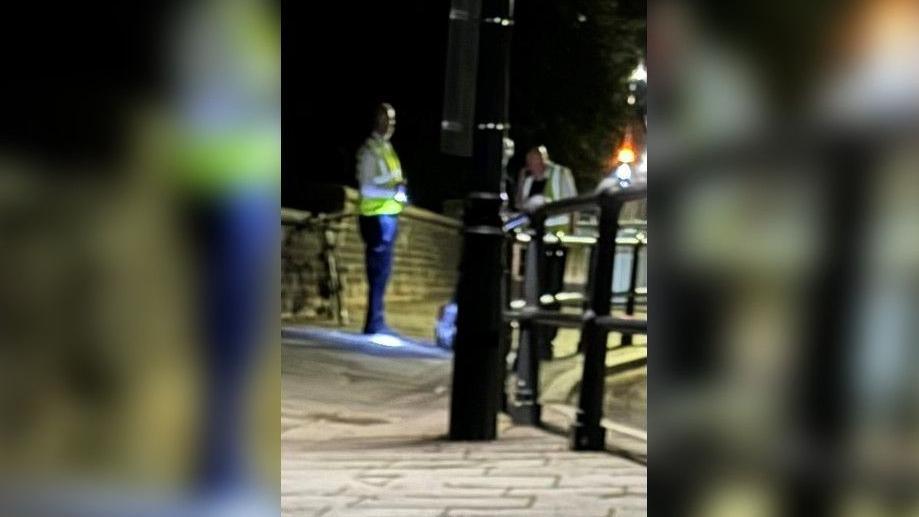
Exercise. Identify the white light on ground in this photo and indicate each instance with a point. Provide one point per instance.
(385, 340)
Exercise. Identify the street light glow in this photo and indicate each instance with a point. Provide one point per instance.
(625, 155)
(640, 74)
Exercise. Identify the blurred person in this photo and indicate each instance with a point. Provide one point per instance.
(216, 145)
(383, 196)
(539, 182)
(228, 168)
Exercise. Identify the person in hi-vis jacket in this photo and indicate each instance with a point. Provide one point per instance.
(539, 182)
(382, 193)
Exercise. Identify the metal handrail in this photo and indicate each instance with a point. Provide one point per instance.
(577, 204)
(570, 204)
(595, 321)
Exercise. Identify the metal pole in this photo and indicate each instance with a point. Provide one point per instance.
(476, 360)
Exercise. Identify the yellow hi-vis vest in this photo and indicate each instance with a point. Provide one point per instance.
(379, 198)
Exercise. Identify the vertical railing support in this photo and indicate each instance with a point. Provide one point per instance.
(626, 339)
(525, 408)
(586, 432)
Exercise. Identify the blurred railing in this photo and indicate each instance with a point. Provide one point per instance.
(533, 313)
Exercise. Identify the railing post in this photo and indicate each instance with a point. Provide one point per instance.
(586, 432)
(525, 408)
(626, 339)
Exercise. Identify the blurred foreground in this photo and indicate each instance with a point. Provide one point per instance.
(784, 208)
(138, 201)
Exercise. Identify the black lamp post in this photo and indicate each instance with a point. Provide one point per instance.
(477, 361)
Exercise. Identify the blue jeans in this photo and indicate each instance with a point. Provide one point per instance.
(237, 238)
(379, 234)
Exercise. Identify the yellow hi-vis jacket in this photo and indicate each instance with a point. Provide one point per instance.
(379, 174)
(559, 185)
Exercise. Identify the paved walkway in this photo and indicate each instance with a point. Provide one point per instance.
(362, 435)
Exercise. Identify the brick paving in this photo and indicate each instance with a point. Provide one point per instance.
(363, 436)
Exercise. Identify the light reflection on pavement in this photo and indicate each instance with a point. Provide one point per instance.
(377, 344)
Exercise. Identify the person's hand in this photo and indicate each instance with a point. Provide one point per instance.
(533, 203)
(401, 194)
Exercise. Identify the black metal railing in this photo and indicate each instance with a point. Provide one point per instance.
(595, 320)
(631, 241)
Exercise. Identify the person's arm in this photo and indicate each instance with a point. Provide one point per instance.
(366, 167)
(371, 170)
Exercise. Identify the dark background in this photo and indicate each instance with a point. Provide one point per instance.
(341, 59)
(71, 74)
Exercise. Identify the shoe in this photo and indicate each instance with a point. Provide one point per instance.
(385, 330)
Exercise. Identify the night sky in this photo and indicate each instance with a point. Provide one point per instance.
(339, 60)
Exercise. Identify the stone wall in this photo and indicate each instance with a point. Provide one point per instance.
(425, 268)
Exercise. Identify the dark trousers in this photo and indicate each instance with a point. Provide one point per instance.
(379, 234)
(553, 282)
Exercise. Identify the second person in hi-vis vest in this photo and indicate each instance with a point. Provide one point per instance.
(383, 195)
(544, 181)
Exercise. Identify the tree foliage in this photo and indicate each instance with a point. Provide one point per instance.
(570, 65)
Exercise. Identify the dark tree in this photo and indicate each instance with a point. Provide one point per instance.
(570, 65)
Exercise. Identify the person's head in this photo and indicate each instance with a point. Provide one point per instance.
(385, 123)
(537, 159)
